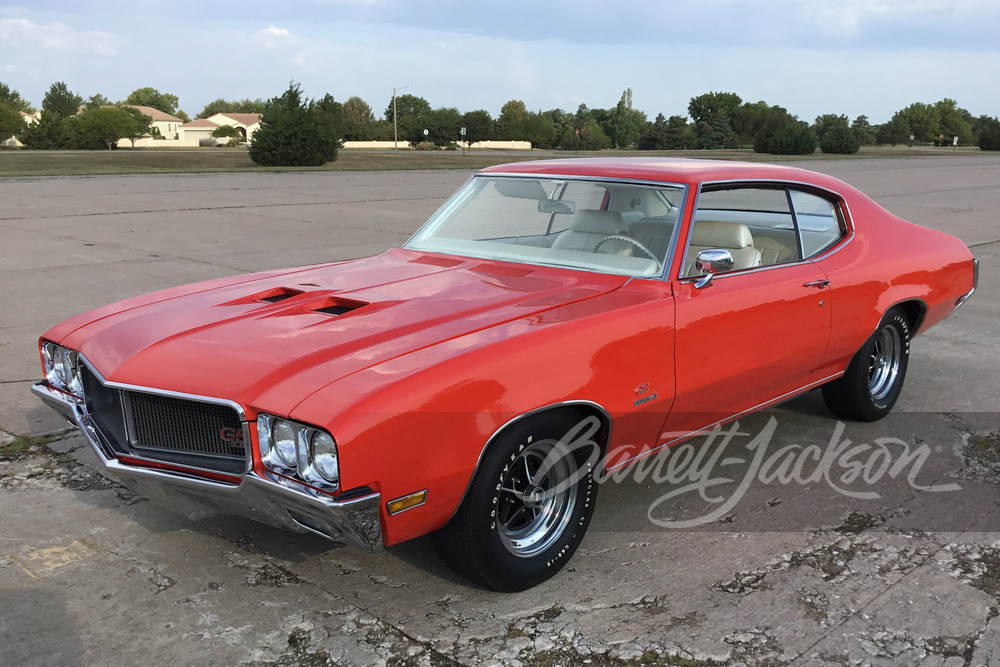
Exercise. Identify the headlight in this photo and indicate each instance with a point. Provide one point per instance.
(49, 356)
(63, 368)
(324, 456)
(74, 377)
(287, 446)
(283, 434)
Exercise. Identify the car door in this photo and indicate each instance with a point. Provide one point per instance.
(759, 332)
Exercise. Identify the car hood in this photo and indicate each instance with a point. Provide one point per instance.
(288, 334)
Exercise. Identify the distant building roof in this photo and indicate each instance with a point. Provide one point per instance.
(245, 119)
(156, 114)
(200, 122)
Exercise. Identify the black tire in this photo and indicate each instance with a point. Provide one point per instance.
(527, 509)
(874, 378)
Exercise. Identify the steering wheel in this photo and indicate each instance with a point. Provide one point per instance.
(631, 241)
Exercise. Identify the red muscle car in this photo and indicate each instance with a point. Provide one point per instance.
(550, 317)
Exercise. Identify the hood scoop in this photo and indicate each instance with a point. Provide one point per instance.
(335, 306)
(273, 295)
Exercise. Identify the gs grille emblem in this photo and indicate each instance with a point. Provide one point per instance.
(233, 435)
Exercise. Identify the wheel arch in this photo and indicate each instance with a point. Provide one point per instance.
(915, 311)
(583, 409)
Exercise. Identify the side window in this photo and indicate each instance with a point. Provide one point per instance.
(818, 220)
(763, 226)
(755, 224)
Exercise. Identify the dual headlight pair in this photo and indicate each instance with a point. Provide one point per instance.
(286, 445)
(63, 369)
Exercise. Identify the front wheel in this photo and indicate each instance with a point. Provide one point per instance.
(874, 378)
(528, 507)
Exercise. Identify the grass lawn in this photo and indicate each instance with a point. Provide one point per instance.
(20, 163)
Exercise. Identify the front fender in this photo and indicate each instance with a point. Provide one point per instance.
(422, 420)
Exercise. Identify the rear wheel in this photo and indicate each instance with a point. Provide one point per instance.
(528, 507)
(874, 378)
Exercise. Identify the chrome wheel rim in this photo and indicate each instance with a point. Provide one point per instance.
(536, 500)
(883, 366)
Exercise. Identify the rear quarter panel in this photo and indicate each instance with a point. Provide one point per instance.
(889, 261)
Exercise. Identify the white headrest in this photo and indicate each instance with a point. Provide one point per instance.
(597, 222)
(716, 234)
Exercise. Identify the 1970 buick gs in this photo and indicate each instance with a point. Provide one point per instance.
(550, 317)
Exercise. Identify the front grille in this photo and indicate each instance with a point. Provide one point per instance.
(170, 429)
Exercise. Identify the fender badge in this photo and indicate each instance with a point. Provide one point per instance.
(646, 399)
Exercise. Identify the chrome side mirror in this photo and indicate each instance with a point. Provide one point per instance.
(712, 261)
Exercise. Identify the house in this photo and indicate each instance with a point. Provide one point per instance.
(201, 128)
(168, 126)
(29, 119)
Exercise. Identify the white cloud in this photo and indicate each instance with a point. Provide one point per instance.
(275, 31)
(23, 34)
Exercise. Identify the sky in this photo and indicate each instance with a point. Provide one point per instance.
(850, 57)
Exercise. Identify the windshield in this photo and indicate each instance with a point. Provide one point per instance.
(607, 226)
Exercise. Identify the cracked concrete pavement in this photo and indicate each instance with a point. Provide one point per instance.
(854, 567)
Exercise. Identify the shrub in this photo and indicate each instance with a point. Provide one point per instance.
(291, 133)
(989, 135)
(795, 138)
(840, 140)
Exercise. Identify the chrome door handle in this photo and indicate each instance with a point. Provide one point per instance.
(817, 283)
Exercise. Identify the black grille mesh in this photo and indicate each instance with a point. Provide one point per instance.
(184, 431)
(180, 425)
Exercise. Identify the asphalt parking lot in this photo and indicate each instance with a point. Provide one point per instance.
(886, 570)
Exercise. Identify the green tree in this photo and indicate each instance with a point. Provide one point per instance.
(717, 132)
(141, 126)
(478, 126)
(104, 124)
(955, 122)
(839, 140)
(229, 132)
(329, 116)
(924, 121)
(540, 130)
(828, 122)
(653, 137)
(511, 125)
(61, 101)
(703, 107)
(665, 134)
(864, 131)
(583, 116)
(834, 134)
(235, 106)
(748, 119)
(590, 138)
(784, 134)
(47, 133)
(359, 121)
(624, 124)
(13, 99)
(294, 132)
(98, 100)
(410, 113)
(151, 97)
(896, 131)
(443, 126)
(988, 133)
(11, 123)
(561, 120)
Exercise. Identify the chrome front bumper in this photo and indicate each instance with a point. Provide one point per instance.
(274, 501)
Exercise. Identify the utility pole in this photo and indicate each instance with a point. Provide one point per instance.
(395, 132)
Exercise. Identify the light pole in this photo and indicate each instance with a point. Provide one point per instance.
(395, 133)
